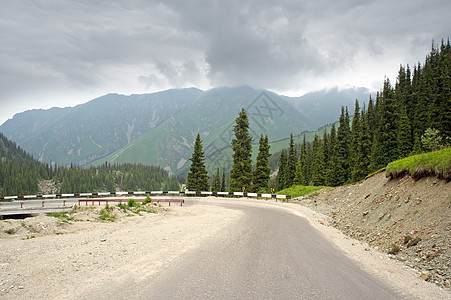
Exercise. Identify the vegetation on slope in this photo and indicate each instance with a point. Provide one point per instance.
(20, 173)
(411, 117)
(437, 163)
(299, 190)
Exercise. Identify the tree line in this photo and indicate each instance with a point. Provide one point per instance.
(242, 175)
(409, 118)
(20, 174)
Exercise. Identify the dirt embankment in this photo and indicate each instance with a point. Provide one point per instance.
(410, 219)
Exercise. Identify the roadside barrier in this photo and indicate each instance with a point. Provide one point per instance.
(141, 193)
(106, 201)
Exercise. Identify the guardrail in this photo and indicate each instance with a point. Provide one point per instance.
(106, 200)
(138, 193)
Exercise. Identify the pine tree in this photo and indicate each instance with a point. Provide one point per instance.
(385, 144)
(440, 109)
(355, 133)
(292, 161)
(362, 161)
(404, 134)
(318, 162)
(262, 169)
(223, 181)
(197, 176)
(330, 178)
(342, 160)
(281, 176)
(216, 181)
(241, 173)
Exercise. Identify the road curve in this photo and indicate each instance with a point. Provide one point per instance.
(269, 253)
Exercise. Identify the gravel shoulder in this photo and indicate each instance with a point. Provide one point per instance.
(70, 260)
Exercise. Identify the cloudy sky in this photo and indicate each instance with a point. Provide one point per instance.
(62, 53)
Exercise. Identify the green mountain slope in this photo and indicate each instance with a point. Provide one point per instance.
(212, 115)
(92, 130)
(160, 128)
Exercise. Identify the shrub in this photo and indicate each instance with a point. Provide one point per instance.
(105, 216)
(147, 200)
(394, 249)
(133, 203)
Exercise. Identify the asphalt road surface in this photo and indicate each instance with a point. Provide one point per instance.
(269, 254)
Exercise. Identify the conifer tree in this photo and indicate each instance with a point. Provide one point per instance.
(440, 109)
(404, 134)
(330, 178)
(355, 133)
(291, 163)
(262, 169)
(223, 181)
(318, 162)
(342, 149)
(241, 173)
(362, 161)
(216, 181)
(283, 165)
(197, 176)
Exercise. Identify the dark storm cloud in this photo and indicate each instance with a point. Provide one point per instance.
(131, 46)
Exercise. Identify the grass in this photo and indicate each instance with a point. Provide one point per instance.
(64, 217)
(299, 190)
(10, 231)
(437, 163)
(104, 214)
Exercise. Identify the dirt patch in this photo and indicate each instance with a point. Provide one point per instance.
(409, 219)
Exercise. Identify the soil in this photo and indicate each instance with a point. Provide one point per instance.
(408, 219)
(67, 258)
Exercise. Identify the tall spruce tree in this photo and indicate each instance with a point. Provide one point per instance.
(440, 112)
(355, 133)
(342, 160)
(291, 163)
(362, 161)
(282, 174)
(262, 169)
(241, 173)
(197, 176)
(318, 173)
(223, 181)
(404, 133)
(330, 178)
(216, 181)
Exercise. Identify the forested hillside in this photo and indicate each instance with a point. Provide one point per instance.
(410, 117)
(20, 174)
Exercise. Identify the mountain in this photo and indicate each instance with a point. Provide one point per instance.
(313, 104)
(159, 128)
(212, 115)
(86, 132)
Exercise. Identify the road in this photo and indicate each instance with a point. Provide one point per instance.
(269, 253)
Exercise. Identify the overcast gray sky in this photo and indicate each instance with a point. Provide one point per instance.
(62, 53)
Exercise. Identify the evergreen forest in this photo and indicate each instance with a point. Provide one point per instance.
(411, 117)
(20, 173)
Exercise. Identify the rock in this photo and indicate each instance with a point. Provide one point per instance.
(20, 287)
(425, 275)
(103, 239)
(413, 242)
(365, 213)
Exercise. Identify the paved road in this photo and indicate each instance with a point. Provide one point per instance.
(269, 254)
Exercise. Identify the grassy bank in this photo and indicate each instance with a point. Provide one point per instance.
(299, 190)
(436, 163)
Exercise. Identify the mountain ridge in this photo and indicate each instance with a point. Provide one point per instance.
(158, 128)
